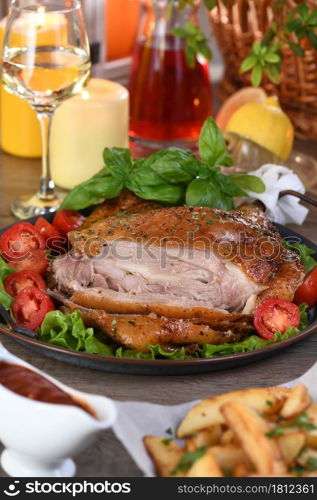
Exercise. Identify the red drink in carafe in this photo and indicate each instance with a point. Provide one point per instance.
(169, 100)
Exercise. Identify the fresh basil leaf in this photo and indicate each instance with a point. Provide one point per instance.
(212, 146)
(305, 253)
(249, 182)
(5, 270)
(92, 191)
(119, 162)
(174, 165)
(170, 194)
(206, 193)
(68, 330)
(146, 183)
(226, 184)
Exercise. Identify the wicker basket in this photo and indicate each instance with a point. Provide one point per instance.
(236, 27)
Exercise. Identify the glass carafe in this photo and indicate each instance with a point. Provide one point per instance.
(169, 99)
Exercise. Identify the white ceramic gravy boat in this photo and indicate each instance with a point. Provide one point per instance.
(39, 438)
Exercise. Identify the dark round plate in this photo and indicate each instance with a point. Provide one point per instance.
(164, 367)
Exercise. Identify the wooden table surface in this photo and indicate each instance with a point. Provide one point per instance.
(106, 457)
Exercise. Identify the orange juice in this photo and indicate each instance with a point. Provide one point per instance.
(122, 17)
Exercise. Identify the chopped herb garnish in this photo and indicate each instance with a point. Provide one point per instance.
(188, 459)
(115, 331)
(210, 222)
(166, 442)
(301, 422)
(269, 403)
(311, 463)
(169, 431)
(277, 431)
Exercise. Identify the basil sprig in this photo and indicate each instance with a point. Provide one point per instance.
(172, 176)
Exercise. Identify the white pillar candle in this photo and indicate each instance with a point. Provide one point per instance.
(83, 126)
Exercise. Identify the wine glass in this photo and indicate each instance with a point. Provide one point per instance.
(46, 60)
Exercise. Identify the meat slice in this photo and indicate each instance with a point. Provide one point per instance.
(138, 332)
(175, 276)
(177, 261)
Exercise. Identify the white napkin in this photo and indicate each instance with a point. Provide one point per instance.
(288, 209)
(136, 420)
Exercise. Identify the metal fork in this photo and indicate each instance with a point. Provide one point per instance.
(303, 197)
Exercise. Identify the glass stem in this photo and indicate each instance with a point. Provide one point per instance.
(47, 185)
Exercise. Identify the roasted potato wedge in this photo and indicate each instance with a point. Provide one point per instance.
(311, 439)
(312, 413)
(207, 412)
(206, 466)
(240, 470)
(297, 401)
(250, 430)
(291, 445)
(165, 456)
(227, 437)
(205, 437)
(230, 456)
(308, 458)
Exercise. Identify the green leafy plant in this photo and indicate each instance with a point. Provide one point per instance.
(172, 176)
(196, 43)
(297, 32)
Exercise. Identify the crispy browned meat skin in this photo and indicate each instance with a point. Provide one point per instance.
(138, 332)
(245, 238)
(127, 202)
(203, 314)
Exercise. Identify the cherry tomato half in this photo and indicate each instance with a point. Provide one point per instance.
(30, 307)
(53, 239)
(36, 261)
(15, 283)
(66, 221)
(275, 315)
(307, 292)
(19, 240)
(46, 229)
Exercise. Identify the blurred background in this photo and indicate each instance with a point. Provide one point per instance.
(112, 28)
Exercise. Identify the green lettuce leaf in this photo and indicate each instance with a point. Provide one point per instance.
(5, 270)
(68, 330)
(306, 254)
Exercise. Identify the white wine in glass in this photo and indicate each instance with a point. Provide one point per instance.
(46, 60)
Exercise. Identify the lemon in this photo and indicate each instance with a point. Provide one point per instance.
(265, 124)
(236, 100)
